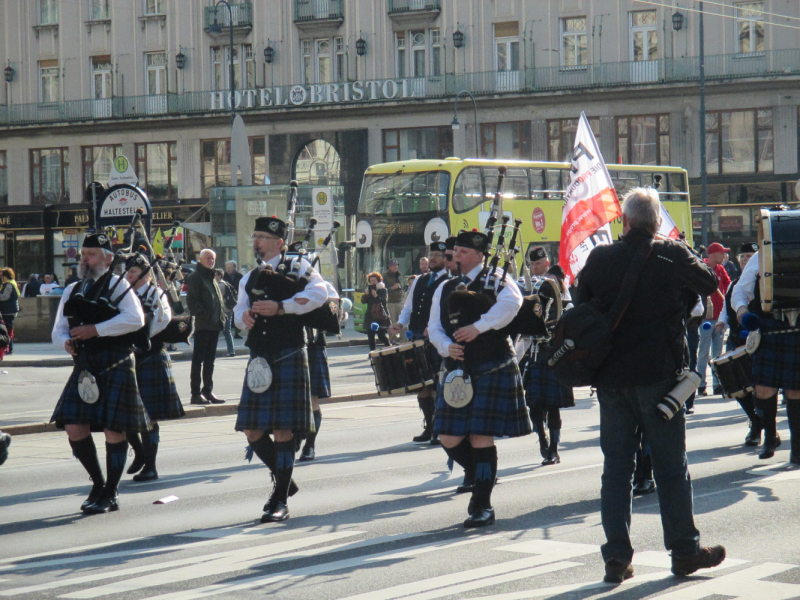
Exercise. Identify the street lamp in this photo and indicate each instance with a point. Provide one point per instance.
(458, 38)
(361, 46)
(269, 53)
(677, 20)
(456, 125)
(216, 30)
(180, 59)
(8, 72)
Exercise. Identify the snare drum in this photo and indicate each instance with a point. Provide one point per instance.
(779, 259)
(734, 370)
(401, 369)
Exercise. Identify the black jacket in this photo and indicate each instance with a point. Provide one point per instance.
(204, 300)
(233, 279)
(649, 343)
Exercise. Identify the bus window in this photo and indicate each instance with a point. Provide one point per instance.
(403, 193)
(557, 180)
(468, 192)
(516, 186)
(677, 182)
(537, 184)
(624, 181)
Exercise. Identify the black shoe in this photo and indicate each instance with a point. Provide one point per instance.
(466, 485)
(307, 453)
(643, 487)
(552, 458)
(147, 474)
(229, 354)
(717, 390)
(544, 445)
(198, 399)
(275, 512)
(435, 441)
(425, 436)
(794, 459)
(480, 518)
(770, 445)
(702, 392)
(617, 572)
(93, 496)
(704, 559)
(212, 398)
(107, 502)
(136, 465)
(753, 436)
(237, 337)
(689, 410)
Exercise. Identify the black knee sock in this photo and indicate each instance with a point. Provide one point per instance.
(554, 425)
(767, 409)
(264, 448)
(311, 438)
(150, 442)
(86, 452)
(537, 417)
(793, 416)
(427, 406)
(284, 459)
(749, 407)
(461, 454)
(115, 463)
(485, 469)
(136, 445)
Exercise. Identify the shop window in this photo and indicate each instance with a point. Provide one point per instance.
(422, 142)
(506, 140)
(157, 169)
(97, 163)
(49, 175)
(3, 179)
(216, 160)
(740, 141)
(561, 137)
(643, 140)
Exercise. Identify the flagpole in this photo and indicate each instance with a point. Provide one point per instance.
(703, 168)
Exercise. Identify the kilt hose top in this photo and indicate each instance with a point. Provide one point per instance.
(286, 404)
(156, 382)
(119, 408)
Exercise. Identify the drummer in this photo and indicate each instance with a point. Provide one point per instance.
(774, 362)
(414, 316)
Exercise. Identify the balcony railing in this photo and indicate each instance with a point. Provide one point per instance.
(404, 6)
(317, 10)
(242, 15)
(728, 67)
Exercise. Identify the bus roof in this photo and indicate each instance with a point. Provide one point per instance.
(456, 164)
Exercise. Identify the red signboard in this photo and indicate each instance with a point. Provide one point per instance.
(731, 222)
(538, 220)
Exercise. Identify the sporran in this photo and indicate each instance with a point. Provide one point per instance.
(259, 375)
(457, 389)
(87, 388)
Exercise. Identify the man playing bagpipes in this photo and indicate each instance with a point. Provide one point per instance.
(276, 396)
(96, 323)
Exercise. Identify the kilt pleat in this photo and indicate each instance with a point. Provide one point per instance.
(287, 402)
(497, 409)
(120, 408)
(776, 362)
(318, 372)
(542, 389)
(157, 386)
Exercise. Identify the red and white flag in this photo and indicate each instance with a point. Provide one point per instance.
(668, 228)
(591, 203)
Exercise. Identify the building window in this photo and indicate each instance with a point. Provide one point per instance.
(153, 7)
(740, 141)
(217, 162)
(436, 52)
(400, 53)
(750, 27)
(3, 179)
(49, 79)
(101, 77)
(100, 10)
(157, 168)
(323, 60)
(48, 12)
(305, 46)
(97, 162)
(644, 36)
(50, 175)
(506, 140)
(422, 142)
(643, 140)
(561, 137)
(418, 54)
(243, 61)
(156, 67)
(574, 46)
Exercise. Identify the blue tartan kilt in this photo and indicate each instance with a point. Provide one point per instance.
(776, 362)
(318, 372)
(497, 409)
(287, 402)
(157, 386)
(119, 408)
(542, 389)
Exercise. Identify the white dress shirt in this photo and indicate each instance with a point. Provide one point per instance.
(46, 288)
(744, 291)
(405, 315)
(129, 319)
(509, 301)
(316, 293)
(163, 312)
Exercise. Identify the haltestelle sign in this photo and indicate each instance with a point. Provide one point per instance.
(122, 202)
(324, 93)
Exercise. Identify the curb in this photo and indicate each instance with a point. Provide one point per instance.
(192, 412)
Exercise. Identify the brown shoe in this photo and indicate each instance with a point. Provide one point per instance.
(617, 571)
(704, 559)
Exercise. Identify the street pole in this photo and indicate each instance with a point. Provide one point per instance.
(216, 29)
(475, 112)
(703, 169)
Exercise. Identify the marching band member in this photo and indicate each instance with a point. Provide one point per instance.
(101, 394)
(498, 406)
(415, 315)
(284, 407)
(449, 259)
(153, 370)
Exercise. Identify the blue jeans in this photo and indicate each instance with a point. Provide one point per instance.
(227, 332)
(710, 339)
(626, 414)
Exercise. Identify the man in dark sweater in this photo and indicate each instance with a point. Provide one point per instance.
(648, 354)
(393, 280)
(206, 304)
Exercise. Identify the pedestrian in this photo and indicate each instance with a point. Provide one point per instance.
(229, 302)
(234, 278)
(393, 280)
(207, 306)
(73, 277)
(32, 287)
(710, 337)
(48, 286)
(277, 346)
(101, 393)
(376, 318)
(648, 350)
(424, 265)
(9, 303)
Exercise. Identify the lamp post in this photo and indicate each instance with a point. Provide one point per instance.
(703, 168)
(455, 124)
(8, 74)
(180, 64)
(216, 30)
(269, 57)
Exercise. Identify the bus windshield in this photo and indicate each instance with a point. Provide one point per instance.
(404, 193)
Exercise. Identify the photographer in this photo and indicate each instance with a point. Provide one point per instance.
(647, 354)
(377, 312)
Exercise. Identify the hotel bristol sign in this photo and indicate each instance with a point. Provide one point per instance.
(325, 93)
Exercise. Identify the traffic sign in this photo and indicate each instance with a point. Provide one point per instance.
(122, 172)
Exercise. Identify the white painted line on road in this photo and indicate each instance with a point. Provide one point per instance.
(747, 584)
(21, 559)
(662, 560)
(559, 590)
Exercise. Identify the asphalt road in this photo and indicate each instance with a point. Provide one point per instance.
(377, 518)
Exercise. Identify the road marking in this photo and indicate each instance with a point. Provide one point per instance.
(20, 559)
(662, 560)
(559, 590)
(747, 584)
